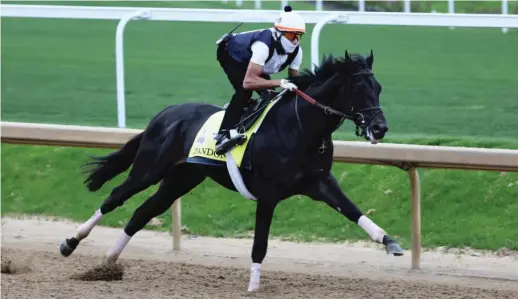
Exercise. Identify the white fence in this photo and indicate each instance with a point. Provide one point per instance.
(407, 157)
(361, 5)
(320, 18)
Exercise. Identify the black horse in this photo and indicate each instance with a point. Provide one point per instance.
(290, 154)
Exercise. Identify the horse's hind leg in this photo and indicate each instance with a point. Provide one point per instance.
(176, 183)
(117, 197)
(148, 168)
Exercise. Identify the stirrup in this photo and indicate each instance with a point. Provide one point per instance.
(226, 144)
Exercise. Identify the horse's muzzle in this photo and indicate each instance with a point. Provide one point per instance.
(378, 130)
(374, 128)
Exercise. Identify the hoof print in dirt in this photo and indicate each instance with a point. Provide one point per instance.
(106, 272)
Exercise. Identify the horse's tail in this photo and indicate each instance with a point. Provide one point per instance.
(107, 167)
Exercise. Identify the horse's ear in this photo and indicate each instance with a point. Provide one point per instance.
(370, 60)
(347, 57)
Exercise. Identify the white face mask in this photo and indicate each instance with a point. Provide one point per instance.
(288, 46)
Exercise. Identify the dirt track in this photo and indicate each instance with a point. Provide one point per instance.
(218, 268)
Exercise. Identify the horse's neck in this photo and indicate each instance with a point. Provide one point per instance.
(315, 122)
(303, 122)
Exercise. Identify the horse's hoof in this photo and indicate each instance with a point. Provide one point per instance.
(253, 287)
(253, 284)
(67, 247)
(392, 247)
(110, 260)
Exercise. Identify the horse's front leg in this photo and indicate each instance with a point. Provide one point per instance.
(326, 189)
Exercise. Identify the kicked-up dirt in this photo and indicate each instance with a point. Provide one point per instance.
(32, 267)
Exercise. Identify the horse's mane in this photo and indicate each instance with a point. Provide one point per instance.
(328, 67)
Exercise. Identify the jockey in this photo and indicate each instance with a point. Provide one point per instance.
(248, 58)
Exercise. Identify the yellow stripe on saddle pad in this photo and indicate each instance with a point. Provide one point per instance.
(204, 145)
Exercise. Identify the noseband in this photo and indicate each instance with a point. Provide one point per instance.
(358, 118)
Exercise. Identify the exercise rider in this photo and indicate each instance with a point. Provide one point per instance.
(248, 58)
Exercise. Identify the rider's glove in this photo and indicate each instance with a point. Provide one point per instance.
(287, 84)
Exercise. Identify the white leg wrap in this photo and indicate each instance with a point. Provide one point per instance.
(117, 248)
(374, 231)
(255, 277)
(84, 229)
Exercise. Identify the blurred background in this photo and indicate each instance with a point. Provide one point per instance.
(437, 81)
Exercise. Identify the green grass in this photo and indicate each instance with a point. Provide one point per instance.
(437, 82)
(459, 208)
(440, 87)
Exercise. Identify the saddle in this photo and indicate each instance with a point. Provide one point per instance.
(204, 149)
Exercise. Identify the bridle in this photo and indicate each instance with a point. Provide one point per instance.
(358, 118)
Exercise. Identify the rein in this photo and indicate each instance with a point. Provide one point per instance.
(358, 118)
(327, 109)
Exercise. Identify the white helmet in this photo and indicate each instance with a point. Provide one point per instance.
(290, 21)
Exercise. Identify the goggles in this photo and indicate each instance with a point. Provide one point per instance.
(292, 35)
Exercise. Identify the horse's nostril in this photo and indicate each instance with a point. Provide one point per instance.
(381, 128)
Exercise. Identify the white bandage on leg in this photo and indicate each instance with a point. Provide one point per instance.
(84, 229)
(255, 277)
(117, 248)
(374, 231)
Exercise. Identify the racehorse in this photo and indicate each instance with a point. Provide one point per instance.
(291, 153)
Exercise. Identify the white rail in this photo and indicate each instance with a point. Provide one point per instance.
(320, 18)
(407, 157)
(258, 16)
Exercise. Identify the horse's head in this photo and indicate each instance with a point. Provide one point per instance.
(358, 97)
(347, 87)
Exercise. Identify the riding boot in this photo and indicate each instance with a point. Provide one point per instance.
(228, 136)
(221, 139)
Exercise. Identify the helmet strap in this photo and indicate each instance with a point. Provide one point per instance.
(277, 42)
